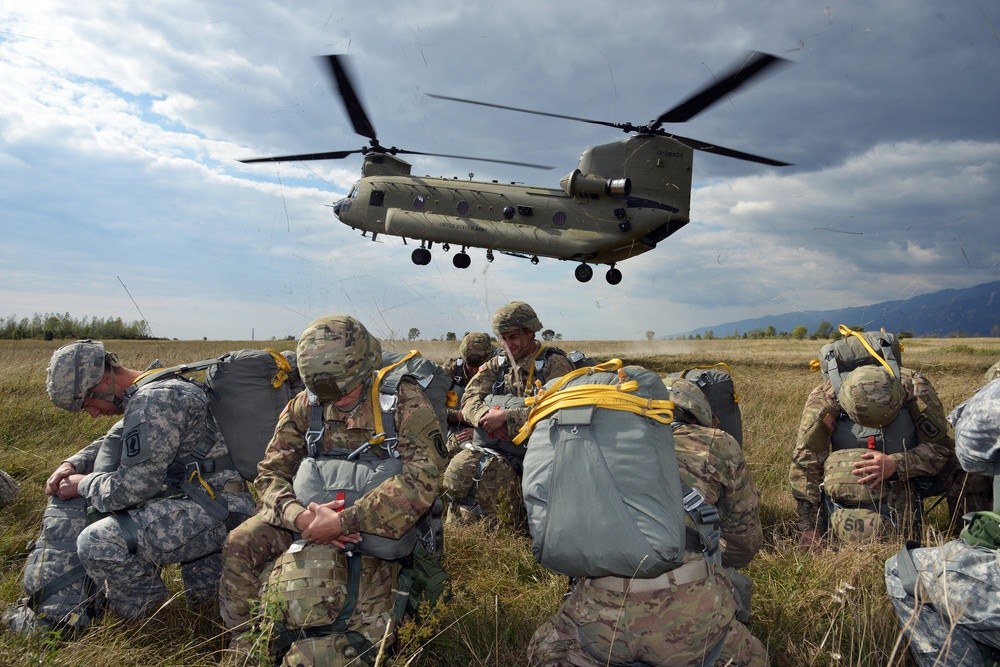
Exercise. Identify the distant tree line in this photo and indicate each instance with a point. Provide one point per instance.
(825, 331)
(52, 326)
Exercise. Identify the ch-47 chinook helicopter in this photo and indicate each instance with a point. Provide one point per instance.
(621, 201)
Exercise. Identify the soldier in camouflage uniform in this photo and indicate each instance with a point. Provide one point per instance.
(870, 452)
(149, 519)
(948, 598)
(474, 351)
(683, 620)
(337, 358)
(485, 475)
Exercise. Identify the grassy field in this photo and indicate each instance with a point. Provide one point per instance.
(824, 608)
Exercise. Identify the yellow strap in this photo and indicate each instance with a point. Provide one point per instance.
(847, 332)
(613, 397)
(284, 368)
(208, 489)
(379, 437)
(531, 373)
(736, 397)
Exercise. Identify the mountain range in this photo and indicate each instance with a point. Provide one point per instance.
(971, 311)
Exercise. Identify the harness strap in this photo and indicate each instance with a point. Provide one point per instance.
(706, 518)
(129, 530)
(64, 580)
(907, 568)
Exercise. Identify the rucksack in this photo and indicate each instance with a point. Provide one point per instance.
(855, 349)
(601, 484)
(435, 383)
(716, 382)
(580, 359)
(247, 390)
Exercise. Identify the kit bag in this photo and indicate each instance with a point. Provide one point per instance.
(433, 380)
(247, 390)
(716, 382)
(857, 348)
(600, 482)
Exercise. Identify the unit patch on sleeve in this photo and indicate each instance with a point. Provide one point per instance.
(928, 428)
(134, 449)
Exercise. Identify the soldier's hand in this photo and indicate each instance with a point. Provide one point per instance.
(326, 528)
(494, 422)
(465, 435)
(69, 487)
(874, 468)
(55, 479)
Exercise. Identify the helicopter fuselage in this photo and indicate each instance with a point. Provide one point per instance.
(620, 202)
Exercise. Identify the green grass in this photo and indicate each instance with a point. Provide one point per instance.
(822, 608)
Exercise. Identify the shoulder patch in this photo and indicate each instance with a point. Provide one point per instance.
(927, 427)
(829, 422)
(133, 445)
(440, 446)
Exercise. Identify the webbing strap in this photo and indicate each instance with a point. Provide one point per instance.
(614, 397)
(64, 580)
(383, 433)
(129, 530)
(907, 568)
(706, 518)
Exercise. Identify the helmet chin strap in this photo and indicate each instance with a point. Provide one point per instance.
(110, 396)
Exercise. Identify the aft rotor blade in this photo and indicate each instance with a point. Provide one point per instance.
(355, 110)
(738, 76)
(537, 113)
(333, 155)
(403, 151)
(728, 152)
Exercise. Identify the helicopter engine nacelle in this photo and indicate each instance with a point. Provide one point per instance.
(578, 184)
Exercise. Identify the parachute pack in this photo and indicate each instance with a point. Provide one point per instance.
(716, 382)
(601, 484)
(855, 349)
(247, 390)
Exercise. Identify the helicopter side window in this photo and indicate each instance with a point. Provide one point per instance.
(377, 198)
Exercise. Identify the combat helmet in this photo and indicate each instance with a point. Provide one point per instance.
(871, 396)
(690, 398)
(74, 369)
(335, 355)
(515, 315)
(476, 348)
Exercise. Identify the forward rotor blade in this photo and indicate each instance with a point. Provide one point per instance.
(728, 152)
(756, 64)
(333, 155)
(355, 110)
(537, 113)
(467, 157)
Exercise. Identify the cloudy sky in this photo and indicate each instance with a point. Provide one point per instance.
(121, 124)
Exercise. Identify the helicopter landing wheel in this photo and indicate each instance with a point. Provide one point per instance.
(489, 256)
(461, 260)
(584, 273)
(613, 276)
(421, 256)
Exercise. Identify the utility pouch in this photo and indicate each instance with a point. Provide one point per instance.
(430, 584)
(982, 530)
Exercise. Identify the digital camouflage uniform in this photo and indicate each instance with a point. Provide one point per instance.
(929, 458)
(679, 625)
(163, 421)
(952, 617)
(389, 510)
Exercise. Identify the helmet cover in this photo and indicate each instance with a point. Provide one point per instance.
(515, 315)
(689, 397)
(476, 348)
(871, 396)
(335, 354)
(74, 369)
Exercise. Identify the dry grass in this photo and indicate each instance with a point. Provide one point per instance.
(826, 608)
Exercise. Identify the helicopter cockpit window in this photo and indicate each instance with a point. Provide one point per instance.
(419, 202)
(377, 198)
(559, 218)
(354, 191)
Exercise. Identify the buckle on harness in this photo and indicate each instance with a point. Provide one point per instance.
(196, 474)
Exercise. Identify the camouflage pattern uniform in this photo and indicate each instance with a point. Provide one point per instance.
(477, 483)
(678, 625)
(474, 351)
(955, 617)
(928, 458)
(163, 421)
(389, 510)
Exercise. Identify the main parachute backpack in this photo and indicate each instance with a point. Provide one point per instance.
(716, 382)
(855, 349)
(601, 484)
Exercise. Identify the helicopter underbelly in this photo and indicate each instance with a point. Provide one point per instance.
(496, 235)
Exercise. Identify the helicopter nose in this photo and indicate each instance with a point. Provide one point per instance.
(338, 206)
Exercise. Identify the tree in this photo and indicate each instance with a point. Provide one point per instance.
(800, 332)
(548, 334)
(823, 330)
(450, 336)
(414, 334)
(770, 331)
(649, 335)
